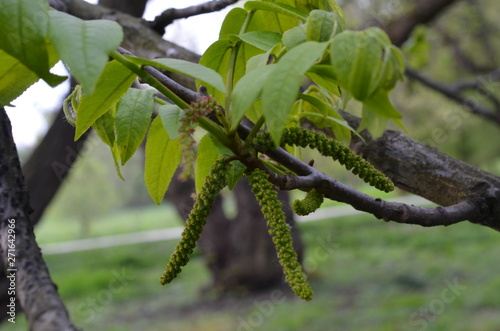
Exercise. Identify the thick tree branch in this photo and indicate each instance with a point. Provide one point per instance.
(478, 200)
(172, 14)
(34, 289)
(453, 92)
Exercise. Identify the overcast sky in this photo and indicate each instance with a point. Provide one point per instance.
(28, 117)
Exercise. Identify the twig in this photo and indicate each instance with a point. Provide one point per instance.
(172, 14)
(453, 92)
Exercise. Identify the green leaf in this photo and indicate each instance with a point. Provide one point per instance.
(322, 25)
(104, 126)
(276, 7)
(204, 74)
(417, 48)
(294, 36)
(324, 77)
(365, 61)
(116, 158)
(234, 173)
(216, 57)
(132, 119)
(380, 104)
(111, 86)
(162, 159)
(15, 78)
(281, 88)
(170, 116)
(246, 92)
(264, 40)
(207, 154)
(233, 22)
(328, 117)
(23, 32)
(84, 45)
(373, 123)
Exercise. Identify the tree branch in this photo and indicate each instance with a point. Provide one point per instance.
(34, 289)
(453, 92)
(172, 14)
(479, 204)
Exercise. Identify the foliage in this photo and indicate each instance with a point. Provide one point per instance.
(256, 70)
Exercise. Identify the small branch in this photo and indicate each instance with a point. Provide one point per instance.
(475, 211)
(453, 92)
(172, 14)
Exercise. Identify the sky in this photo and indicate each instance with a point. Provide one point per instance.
(29, 116)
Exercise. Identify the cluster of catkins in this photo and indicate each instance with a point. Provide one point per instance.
(331, 148)
(199, 108)
(266, 195)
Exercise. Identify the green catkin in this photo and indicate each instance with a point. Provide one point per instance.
(214, 183)
(309, 204)
(280, 232)
(329, 147)
(201, 107)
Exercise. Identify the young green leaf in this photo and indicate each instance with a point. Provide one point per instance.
(294, 36)
(207, 154)
(322, 25)
(111, 86)
(170, 116)
(216, 57)
(328, 117)
(233, 22)
(84, 45)
(116, 158)
(235, 172)
(200, 72)
(246, 92)
(281, 88)
(23, 32)
(162, 159)
(132, 119)
(276, 7)
(104, 126)
(264, 40)
(15, 77)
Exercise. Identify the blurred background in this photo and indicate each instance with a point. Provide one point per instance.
(106, 243)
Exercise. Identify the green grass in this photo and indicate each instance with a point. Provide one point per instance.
(53, 230)
(366, 274)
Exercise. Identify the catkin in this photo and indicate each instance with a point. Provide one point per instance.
(309, 204)
(280, 232)
(331, 148)
(214, 183)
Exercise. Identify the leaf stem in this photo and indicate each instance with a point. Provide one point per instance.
(147, 78)
(216, 131)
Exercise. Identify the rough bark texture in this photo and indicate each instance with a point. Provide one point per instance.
(44, 172)
(33, 287)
